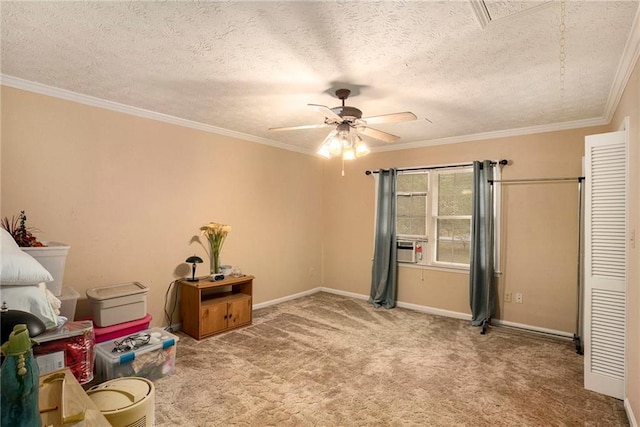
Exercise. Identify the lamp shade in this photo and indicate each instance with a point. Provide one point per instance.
(193, 260)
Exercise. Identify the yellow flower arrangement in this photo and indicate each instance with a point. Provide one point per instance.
(215, 234)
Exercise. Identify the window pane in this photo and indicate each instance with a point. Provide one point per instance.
(453, 238)
(454, 193)
(418, 206)
(418, 226)
(412, 182)
(403, 226)
(411, 212)
(403, 183)
(403, 206)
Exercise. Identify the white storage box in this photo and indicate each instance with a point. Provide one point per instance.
(152, 361)
(115, 304)
(68, 300)
(52, 257)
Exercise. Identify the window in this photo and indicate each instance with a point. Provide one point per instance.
(452, 216)
(411, 204)
(433, 208)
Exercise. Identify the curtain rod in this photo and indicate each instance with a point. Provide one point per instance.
(502, 162)
(571, 178)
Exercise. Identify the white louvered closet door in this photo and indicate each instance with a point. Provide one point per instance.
(605, 263)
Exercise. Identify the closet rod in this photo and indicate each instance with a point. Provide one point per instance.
(571, 178)
(502, 162)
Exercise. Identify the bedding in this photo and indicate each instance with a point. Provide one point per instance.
(31, 298)
(18, 267)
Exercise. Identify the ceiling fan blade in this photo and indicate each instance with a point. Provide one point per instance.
(321, 125)
(326, 111)
(378, 134)
(390, 118)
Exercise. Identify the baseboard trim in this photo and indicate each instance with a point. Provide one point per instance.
(537, 329)
(173, 327)
(630, 415)
(416, 307)
(453, 314)
(287, 298)
(434, 311)
(410, 306)
(343, 293)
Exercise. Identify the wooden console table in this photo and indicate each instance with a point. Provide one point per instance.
(208, 308)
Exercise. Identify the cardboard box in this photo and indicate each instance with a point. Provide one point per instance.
(153, 360)
(115, 304)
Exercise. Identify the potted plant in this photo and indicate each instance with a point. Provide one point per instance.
(216, 234)
(52, 255)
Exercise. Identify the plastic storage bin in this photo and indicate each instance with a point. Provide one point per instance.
(152, 361)
(115, 304)
(53, 257)
(71, 345)
(68, 300)
(122, 329)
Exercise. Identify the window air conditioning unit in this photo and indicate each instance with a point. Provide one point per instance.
(406, 251)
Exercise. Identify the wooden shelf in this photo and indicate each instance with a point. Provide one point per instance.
(211, 307)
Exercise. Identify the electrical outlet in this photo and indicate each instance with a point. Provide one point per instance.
(507, 297)
(518, 298)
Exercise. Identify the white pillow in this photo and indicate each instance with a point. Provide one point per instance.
(31, 298)
(18, 267)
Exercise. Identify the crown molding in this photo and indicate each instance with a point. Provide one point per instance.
(623, 73)
(576, 124)
(482, 13)
(17, 83)
(627, 63)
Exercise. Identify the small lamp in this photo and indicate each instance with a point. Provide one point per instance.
(193, 260)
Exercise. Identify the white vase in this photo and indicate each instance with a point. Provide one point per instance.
(53, 258)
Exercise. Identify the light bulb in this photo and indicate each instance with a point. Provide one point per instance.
(348, 154)
(335, 147)
(361, 148)
(324, 151)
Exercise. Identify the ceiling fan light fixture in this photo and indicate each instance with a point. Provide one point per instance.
(345, 140)
(324, 151)
(361, 148)
(348, 154)
(335, 146)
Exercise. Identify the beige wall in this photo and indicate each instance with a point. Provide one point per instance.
(539, 233)
(630, 107)
(127, 194)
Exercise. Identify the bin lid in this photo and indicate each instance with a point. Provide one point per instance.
(116, 291)
(120, 394)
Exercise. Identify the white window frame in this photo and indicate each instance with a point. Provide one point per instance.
(415, 237)
(432, 217)
(429, 241)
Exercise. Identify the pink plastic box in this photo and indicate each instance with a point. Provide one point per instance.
(121, 329)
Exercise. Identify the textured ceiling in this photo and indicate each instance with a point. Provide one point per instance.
(462, 67)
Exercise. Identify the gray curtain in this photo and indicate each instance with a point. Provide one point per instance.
(481, 293)
(384, 271)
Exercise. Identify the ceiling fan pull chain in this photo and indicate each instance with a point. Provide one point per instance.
(343, 166)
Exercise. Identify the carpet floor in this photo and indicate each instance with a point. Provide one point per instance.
(330, 360)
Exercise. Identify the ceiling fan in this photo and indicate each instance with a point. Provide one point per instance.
(349, 123)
